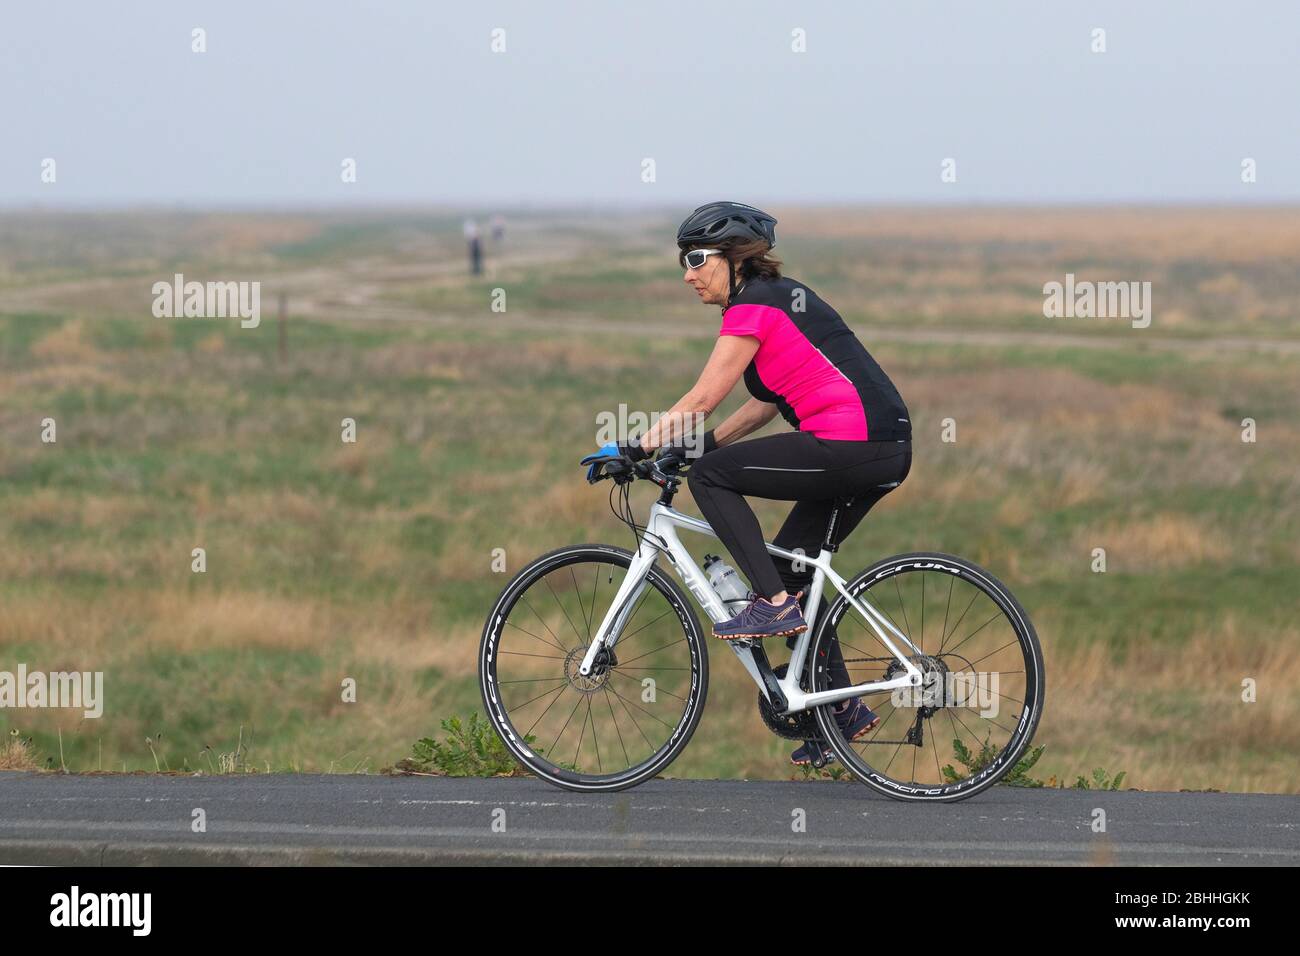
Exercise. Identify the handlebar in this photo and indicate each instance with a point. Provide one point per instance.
(663, 470)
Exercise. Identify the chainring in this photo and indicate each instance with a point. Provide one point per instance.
(800, 726)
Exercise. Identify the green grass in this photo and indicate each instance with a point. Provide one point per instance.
(372, 561)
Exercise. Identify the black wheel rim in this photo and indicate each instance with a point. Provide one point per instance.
(609, 726)
(968, 725)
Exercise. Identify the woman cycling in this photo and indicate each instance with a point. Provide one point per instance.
(797, 357)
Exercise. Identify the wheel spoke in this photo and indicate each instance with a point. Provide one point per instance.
(555, 642)
(563, 609)
(977, 630)
(658, 690)
(553, 690)
(559, 694)
(970, 701)
(533, 687)
(578, 591)
(952, 581)
(648, 653)
(555, 743)
(614, 720)
(643, 626)
(944, 642)
(922, 641)
(902, 606)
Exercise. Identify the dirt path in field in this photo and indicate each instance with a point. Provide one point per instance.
(707, 328)
(373, 288)
(360, 288)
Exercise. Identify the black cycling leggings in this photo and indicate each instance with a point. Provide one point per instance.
(797, 467)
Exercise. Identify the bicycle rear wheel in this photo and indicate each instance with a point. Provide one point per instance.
(632, 716)
(973, 719)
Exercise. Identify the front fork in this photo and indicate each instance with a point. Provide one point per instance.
(621, 608)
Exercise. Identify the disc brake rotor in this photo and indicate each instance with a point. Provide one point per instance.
(600, 670)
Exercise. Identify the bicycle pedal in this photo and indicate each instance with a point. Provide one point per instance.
(819, 758)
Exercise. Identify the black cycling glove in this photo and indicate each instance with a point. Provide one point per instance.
(682, 452)
(632, 449)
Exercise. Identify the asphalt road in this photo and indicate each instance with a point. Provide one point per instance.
(327, 819)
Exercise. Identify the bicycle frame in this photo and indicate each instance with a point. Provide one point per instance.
(661, 536)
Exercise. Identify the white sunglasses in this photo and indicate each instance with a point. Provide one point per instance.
(697, 257)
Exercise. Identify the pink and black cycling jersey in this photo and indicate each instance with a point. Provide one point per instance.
(811, 365)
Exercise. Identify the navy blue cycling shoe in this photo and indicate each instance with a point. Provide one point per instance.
(854, 720)
(803, 756)
(760, 619)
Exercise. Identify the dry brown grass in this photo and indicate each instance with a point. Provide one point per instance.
(17, 754)
(66, 343)
(1041, 447)
(463, 559)
(1211, 269)
(1222, 233)
(1174, 717)
(406, 645)
(1162, 540)
(229, 235)
(187, 621)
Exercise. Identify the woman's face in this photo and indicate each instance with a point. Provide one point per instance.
(711, 280)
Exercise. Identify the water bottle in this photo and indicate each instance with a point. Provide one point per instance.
(726, 584)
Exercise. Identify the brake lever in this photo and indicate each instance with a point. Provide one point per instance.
(604, 471)
(620, 469)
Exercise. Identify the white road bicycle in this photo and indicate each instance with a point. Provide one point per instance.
(593, 667)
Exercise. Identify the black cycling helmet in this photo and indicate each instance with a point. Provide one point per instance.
(720, 222)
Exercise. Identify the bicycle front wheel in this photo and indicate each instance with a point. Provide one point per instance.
(628, 719)
(971, 721)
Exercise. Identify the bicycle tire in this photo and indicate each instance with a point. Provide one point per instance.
(1032, 708)
(575, 779)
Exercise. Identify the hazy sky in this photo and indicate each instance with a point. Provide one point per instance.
(711, 91)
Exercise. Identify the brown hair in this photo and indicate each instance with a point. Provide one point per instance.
(752, 259)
